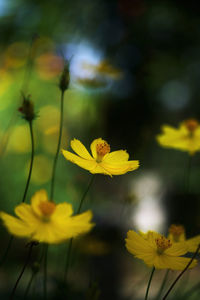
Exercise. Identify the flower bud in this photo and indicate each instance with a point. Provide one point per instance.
(65, 78)
(27, 109)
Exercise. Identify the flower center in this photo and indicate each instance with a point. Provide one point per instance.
(176, 231)
(162, 244)
(102, 149)
(47, 208)
(191, 125)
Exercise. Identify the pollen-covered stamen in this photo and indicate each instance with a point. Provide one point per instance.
(102, 149)
(162, 244)
(176, 231)
(191, 125)
(47, 208)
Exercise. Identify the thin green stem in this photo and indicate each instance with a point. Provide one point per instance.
(31, 163)
(71, 240)
(149, 283)
(58, 147)
(85, 194)
(29, 64)
(29, 285)
(162, 285)
(26, 188)
(35, 270)
(68, 259)
(45, 272)
(180, 275)
(23, 269)
(188, 175)
(7, 250)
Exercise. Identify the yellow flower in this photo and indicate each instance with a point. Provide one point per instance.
(45, 221)
(185, 138)
(156, 250)
(102, 160)
(177, 234)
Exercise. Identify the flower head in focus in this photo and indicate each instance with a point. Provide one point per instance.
(45, 221)
(184, 138)
(157, 251)
(177, 234)
(101, 161)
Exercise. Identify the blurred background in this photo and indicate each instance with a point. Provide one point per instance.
(134, 66)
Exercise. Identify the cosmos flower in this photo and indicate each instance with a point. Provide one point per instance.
(185, 138)
(177, 234)
(157, 251)
(101, 161)
(45, 221)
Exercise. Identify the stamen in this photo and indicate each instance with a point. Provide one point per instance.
(191, 125)
(102, 149)
(162, 244)
(47, 208)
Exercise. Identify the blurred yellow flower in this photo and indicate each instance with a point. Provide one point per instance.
(177, 234)
(185, 138)
(45, 221)
(101, 161)
(157, 251)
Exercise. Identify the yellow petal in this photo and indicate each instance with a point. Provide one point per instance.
(93, 146)
(98, 169)
(137, 245)
(49, 233)
(120, 168)
(116, 156)
(62, 211)
(80, 149)
(81, 162)
(78, 224)
(193, 243)
(25, 213)
(169, 130)
(37, 198)
(174, 263)
(151, 237)
(177, 249)
(16, 226)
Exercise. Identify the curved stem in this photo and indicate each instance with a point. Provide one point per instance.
(68, 259)
(45, 272)
(188, 175)
(31, 163)
(26, 188)
(149, 283)
(29, 284)
(179, 276)
(22, 271)
(71, 240)
(7, 250)
(29, 64)
(162, 285)
(58, 147)
(85, 194)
